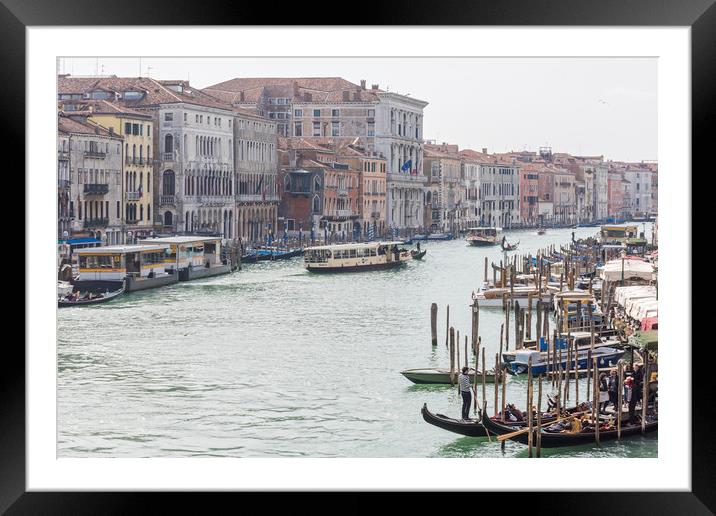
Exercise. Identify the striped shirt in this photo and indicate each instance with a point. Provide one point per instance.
(464, 381)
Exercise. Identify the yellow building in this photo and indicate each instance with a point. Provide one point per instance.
(137, 154)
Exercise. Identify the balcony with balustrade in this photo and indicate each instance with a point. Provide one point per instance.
(95, 223)
(166, 199)
(134, 196)
(96, 188)
(95, 154)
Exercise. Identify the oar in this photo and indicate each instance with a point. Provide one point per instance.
(504, 437)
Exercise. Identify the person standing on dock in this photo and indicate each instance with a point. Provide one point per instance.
(603, 393)
(636, 391)
(464, 382)
(614, 388)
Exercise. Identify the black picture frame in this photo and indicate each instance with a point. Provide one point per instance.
(700, 15)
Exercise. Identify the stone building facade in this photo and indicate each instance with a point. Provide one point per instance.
(256, 164)
(95, 179)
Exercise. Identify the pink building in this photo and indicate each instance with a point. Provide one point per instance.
(615, 204)
(529, 193)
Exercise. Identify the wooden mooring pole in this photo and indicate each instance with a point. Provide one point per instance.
(434, 324)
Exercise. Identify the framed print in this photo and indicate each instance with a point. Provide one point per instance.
(339, 258)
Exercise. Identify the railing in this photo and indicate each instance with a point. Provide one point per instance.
(63, 155)
(131, 221)
(96, 189)
(95, 154)
(342, 191)
(343, 213)
(375, 214)
(63, 183)
(168, 156)
(134, 196)
(166, 199)
(95, 223)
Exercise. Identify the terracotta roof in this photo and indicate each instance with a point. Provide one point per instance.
(103, 107)
(155, 92)
(79, 125)
(299, 89)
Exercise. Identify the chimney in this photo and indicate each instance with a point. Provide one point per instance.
(374, 86)
(362, 84)
(484, 150)
(111, 131)
(242, 96)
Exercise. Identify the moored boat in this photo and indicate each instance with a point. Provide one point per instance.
(355, 257)
(559, 439)
(442, 376)
(493, 297)
(606, 357)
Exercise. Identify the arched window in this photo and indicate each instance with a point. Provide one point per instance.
(316, 204)
(168, 182)
(316, 184)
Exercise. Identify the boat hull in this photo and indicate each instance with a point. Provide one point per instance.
(356, 268)
(481, 243)
(604, 360)
(564, 439)
(442, 376)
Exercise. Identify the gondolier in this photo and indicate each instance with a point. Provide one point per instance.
(464, 382)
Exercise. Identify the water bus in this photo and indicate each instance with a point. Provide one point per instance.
(483, 236)
(355, 257)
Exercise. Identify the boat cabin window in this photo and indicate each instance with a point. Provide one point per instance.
(352, 253)
(104, 261)
(154, 257)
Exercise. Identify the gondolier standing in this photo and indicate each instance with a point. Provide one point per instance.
(464, 382)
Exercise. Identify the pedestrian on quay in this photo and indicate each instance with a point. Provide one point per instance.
(464, 382)
(603, 393)
(614, 388)
(637, 388)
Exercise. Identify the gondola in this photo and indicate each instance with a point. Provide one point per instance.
(473, 427)
(562, 439)
(103, 298)
(418, 255)
(509, 247)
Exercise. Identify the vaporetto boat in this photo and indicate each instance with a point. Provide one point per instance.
(355, 257)
(483, 236)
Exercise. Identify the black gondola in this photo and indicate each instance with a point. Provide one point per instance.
(472, 428)
(509, 247)
(418, 255)
(102, 298)
(562, 439)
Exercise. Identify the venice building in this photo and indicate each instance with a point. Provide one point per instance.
(91, 185)
(309, 108)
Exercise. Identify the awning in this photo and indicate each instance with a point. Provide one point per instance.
(74, 241)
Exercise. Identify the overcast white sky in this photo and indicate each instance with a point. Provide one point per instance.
(584, 106)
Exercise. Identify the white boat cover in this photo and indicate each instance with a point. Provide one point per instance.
(612, 270)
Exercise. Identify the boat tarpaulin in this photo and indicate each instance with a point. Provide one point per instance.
(612, 270)
(647, 339)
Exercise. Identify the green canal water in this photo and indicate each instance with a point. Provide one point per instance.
(273, 361)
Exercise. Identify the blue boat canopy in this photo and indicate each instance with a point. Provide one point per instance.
(86, 240)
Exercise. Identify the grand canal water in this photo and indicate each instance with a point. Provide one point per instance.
(276, 361)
